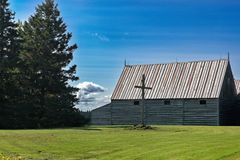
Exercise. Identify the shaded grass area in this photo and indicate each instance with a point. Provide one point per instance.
(120, 142)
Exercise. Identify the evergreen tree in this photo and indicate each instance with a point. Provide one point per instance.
(9, 39)
(9, 49)
(8, 45)
(45, 58)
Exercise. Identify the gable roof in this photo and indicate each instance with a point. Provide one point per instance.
(185, 80)
(237, 84)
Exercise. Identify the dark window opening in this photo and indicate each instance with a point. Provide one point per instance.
(203, 102)
(136, 102)
(167, 102)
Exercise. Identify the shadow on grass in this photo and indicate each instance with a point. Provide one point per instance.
(134, 127)
(101, 127)
(91, 129)
(88, 128)
(140, 127)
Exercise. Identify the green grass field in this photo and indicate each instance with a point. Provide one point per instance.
(111, 143)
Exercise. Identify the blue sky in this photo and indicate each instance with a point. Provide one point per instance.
(144, 31)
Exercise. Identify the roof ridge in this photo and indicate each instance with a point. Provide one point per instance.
(129, 65)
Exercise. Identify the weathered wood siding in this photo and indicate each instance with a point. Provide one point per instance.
(125, 112)
(102, 115)
(158, 113)
(179, 112)
(197, 114)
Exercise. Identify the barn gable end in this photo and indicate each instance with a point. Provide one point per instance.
(227, 98)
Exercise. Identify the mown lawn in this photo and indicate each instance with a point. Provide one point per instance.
(111, 143)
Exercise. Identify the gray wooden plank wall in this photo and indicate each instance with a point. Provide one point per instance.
(102, 115)
(179, 112)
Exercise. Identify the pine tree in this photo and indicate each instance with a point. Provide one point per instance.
(9, 50)
(8, 45)
(45, 56)
(9, 39)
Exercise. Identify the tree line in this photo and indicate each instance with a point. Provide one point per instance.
(35, 70)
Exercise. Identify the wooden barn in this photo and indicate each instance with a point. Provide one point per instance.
(183, 93)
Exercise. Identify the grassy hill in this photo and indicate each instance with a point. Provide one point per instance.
(110, 143)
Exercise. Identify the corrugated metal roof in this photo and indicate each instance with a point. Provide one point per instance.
(237, 84)
(199, 79)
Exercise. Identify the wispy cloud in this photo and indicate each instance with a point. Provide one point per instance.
(91, 96)
(100, 36)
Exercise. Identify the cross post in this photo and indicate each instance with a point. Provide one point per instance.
(143, 88)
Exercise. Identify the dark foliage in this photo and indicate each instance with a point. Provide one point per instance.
(9, 47)
(35, 71)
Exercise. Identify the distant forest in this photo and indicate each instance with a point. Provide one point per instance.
(35, 71)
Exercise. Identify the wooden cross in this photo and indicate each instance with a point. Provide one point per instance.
(143, 88)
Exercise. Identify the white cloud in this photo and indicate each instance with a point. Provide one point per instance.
(91, 96)
(90, 87)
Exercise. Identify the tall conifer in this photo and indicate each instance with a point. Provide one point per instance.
(9, 49)
(46, 56)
